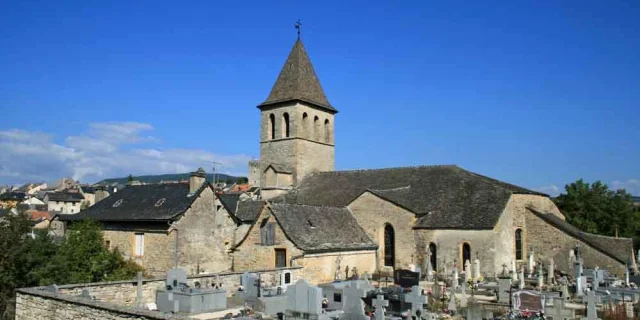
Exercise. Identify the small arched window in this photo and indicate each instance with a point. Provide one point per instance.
(272, 126)
(434, 256)
(389, 246)
(327, 131)
(466, 254)
(285, 125)
(518, 240)
(316, 128)
(305, 125)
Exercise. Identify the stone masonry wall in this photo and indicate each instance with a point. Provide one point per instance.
(251, 254)
(321, 268)
(158, 246)
(373, 213)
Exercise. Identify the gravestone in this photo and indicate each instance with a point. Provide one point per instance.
(540, 278)
(463, 295)
(251, 285)
(592, 314)
(467, 270)
(476, 269)
(527, 300)
(474, 310)
(452, 303)
(353, 305)
(559, 311)
(436, 291)
(596, 279)
(176, 277)
(416, 299)
(429, 267)
(530, 264)
(521, 283)
(580, 280)
(514, 272)
(551, 279)
(504, 284)
(456, 279)
(380, 303)
(406, 278)
(304, 301)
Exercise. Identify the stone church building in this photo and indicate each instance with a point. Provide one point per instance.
(380, 219)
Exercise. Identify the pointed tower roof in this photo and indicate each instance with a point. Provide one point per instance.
(298, 81)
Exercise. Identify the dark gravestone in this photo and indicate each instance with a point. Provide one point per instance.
(406, 278)
(526, 300)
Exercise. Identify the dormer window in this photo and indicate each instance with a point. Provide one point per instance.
(117, 203)
(160, 202)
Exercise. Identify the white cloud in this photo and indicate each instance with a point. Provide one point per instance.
(110, 149)
(551, 190)
(631, 185)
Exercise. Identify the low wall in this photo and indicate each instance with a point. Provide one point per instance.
(115, 299)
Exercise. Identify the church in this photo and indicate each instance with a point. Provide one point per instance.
(378, 220)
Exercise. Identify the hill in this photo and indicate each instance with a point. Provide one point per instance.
(221, 177)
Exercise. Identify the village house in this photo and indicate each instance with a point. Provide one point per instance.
(148, 222)
(11, 199)
(31, 188)
(64, 202)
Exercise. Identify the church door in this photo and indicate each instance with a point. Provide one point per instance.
(389, 246)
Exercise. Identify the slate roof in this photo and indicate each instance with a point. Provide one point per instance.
(230, 201)
(141, 203)
(66, 196)
(319, 229)
(87, 189)
(619, 249)
(298, 81)
(13, 196)
(444, 197)
(280, 168)
(248, 211)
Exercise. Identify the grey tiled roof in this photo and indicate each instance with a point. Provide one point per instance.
(141, 203)
(230, 201)
(317, 229)
(442, 196)
(298, 81)
(248, 211)
(65, 196)
(620, 249)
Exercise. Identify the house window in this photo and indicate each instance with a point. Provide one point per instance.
(267, 233)
(287, 278)
(466, 254)
(337, 297)
(281, 258)
(519, 254)
(389, 246)
(139, 248)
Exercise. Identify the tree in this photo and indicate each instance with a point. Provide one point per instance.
(84, 205)
(243, 180)
(596, 209)
(130, 178)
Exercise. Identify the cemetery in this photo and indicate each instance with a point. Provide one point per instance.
(534, 289)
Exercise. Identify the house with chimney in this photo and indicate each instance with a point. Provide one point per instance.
(160, 226)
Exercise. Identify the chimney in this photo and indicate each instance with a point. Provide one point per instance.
(101, 193)
(196, 180)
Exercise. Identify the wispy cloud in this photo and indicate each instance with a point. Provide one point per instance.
(551, 190)
(631, 185)
(108, 149)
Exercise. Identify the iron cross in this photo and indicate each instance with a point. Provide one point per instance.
(298, 26)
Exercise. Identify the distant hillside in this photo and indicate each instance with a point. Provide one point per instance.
(221, 177)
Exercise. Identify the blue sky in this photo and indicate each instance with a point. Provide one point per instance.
(536, 93)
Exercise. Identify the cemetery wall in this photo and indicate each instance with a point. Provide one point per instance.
(321, 268)
(550, 242)
(373, 213)
(37, 304)
(251, 254)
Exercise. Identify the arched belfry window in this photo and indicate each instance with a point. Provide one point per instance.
(327, 131)
(434, 256)
(285, 125)
(305, 125)
(389, 246)
(272, 126)
(518, 240)
(466, 254)
(316, 128)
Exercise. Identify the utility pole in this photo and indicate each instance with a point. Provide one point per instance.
(215, 177)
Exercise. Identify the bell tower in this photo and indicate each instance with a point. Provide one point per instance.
(296, 128)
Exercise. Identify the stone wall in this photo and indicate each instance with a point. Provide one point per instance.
(251, 254)
(373, 213)
(321, 268)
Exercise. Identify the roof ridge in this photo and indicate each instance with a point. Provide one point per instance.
(501, 184)
(389, 168)
(301, 205)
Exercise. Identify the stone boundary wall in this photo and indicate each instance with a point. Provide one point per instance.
(38, 304)
(115, 299)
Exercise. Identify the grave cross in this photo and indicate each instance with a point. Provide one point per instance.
(379, 303)
(416, 299)
(353, 306)
(257, 284)
(558, 311)
(591, 306)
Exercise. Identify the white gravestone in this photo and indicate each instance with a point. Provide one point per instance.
(380, 303)
(551, 273)
(304, 301)
(452, 303)
(592, 314)
(416, 299)
(596, 279)
(250, 285)
(476, 269)
(514, 272)
(467, 270)
(521, 283)
(559, 311)
(463, 295)
(456, 278)
(540, 278)
(353, 306)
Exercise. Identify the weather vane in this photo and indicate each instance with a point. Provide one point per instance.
(297, 25)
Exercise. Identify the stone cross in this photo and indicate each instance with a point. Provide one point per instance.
(558, 311)
(380, 303)
(521, 284)
(416, 299)
(353, 306)
(139, 289)
(476, 269)
(452, 302)
(304, 298)
(467, 270)
(592, 314)
(551, 272)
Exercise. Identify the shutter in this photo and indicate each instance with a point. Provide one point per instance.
(271, 233)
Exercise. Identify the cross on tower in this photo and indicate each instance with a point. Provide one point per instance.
(298, 25)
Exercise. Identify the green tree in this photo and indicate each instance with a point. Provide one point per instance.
(130, 178)
(243, 180)
(596, 209)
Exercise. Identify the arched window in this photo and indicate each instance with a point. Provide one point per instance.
(434, 255)
(389, 246)
(466, 254)
(285, 125)
(272, 126)
(305, 126)
(327, 131)
(519, 254)
(316, 128)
